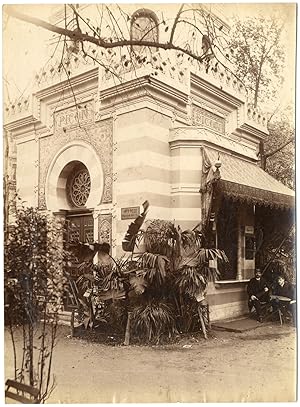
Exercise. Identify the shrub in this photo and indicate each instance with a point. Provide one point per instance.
(153, 320)
(34, 287)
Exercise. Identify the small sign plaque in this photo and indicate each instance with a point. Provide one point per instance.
(249, 230)
(130, 213)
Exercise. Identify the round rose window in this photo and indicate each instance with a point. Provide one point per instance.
(79, 187)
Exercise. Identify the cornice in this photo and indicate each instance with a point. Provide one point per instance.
(169, 90)
(241, 134)
(143, 102)
(147, 82)
(75, 81)
(253, 131)
(24, 122)
(208, 102)
(216, 91)
(69, 101)
(143, 93)
(197, 136)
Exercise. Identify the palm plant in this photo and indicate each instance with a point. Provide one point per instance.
(164, 287)
(153, 320)
(174, 270)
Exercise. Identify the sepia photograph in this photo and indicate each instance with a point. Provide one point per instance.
(149, 203)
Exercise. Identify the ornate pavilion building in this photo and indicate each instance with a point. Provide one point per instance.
(91, 149)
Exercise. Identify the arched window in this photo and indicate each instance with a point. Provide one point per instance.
(78, 186)
(144, 26)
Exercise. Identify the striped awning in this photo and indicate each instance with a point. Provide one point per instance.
(243, 180)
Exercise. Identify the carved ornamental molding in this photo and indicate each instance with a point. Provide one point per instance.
(105, 229)
(99, 135)
(202, 117)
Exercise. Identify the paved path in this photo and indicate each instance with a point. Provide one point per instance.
(258, 365)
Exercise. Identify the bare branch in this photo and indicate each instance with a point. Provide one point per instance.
(175, 23)
(79, 36)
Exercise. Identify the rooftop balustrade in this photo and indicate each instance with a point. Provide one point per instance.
(119, 66)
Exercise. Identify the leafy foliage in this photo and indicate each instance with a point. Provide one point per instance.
(258, 56)
(280, 156)
(153, 320)
(160, 237)
(275, 239)
(162, 283)
(34, 289)
(191, 281)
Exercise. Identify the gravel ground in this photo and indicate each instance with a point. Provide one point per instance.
(258, 365)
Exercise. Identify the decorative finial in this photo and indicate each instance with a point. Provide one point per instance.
(218, 162)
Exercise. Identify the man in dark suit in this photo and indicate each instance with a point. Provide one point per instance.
(258, 292)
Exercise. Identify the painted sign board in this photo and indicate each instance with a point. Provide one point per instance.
(131, 212)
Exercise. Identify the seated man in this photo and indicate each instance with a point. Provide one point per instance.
(284, 296)
(258, 292)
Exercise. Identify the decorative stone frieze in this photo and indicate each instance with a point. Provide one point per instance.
(202, 117)
(98, 135)
(114, 210)
(21, 105)
(173, 117)
(105, 229)
(41, 197)
(256, 116)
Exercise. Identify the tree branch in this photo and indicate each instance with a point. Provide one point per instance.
(290, 140)
(78, 36)
(175, 23)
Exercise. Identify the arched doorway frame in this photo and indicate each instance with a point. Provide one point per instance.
(55, 184)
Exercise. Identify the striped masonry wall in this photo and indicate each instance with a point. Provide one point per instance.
(142, 164)
(147, 167)
(227, 300)
(186, 164)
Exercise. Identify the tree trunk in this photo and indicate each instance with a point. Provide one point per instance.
(30, 349)
(202, 322)
(6, 185)
(127, 332)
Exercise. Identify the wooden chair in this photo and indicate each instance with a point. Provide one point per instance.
(271, 313)
(284, 314)
(23, 393)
